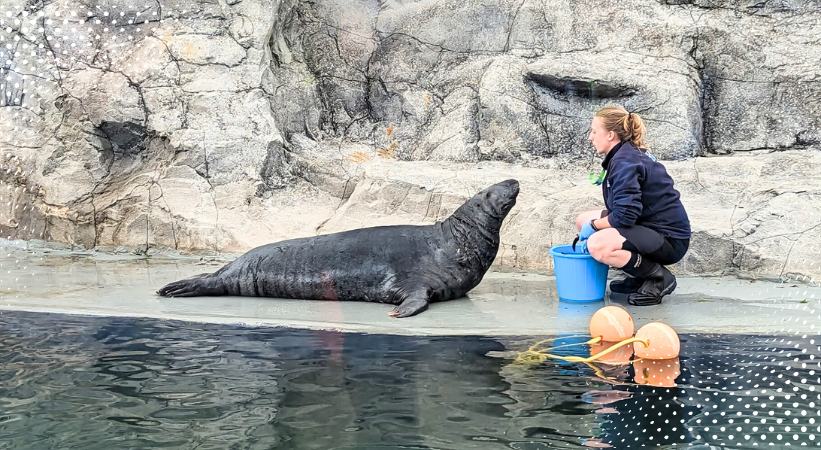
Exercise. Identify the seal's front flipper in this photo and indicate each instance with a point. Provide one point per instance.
(412, 305)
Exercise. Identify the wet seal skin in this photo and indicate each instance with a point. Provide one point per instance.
(405, 265)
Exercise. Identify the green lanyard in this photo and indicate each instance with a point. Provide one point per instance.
(597, 179)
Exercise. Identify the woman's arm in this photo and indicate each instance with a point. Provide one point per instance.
(626, 180)
(600, 224)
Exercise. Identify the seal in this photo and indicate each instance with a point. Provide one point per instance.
(405, 265)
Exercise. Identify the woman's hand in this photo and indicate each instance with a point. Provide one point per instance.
(581, 247)
(586, 231)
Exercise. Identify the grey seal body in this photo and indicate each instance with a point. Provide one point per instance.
(409, 266)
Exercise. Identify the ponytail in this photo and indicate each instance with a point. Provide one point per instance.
(627, 126)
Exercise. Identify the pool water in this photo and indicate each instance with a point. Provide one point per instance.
(86, 382)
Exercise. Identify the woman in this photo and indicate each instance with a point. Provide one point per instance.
(645, 226)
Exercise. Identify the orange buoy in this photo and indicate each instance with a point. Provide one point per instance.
(657, 372)
(662, 342)
(621, 355)
(612, 324)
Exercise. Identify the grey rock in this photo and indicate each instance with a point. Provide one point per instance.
(221, 126)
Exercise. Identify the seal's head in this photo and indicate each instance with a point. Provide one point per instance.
(488, 208)
(500, 198)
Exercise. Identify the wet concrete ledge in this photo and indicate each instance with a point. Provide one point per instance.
(504, 304)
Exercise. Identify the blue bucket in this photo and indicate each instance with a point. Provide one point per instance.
(579, 277)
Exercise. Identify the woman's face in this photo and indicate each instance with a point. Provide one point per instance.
(601, 139)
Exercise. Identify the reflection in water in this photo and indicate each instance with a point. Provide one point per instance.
(658, 372)
(640, 415)
(127, 383)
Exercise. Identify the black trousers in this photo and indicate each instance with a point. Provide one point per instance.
(652, 244)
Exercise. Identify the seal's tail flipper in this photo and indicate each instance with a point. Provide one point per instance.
(199, 285)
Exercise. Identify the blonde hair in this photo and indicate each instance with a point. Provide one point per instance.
(627, 126)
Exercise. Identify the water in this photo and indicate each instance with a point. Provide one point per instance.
(80, 382)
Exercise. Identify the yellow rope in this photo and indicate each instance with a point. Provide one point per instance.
(600, 374)
(595, 340)
(534, 355)
(544, 341)
(612, 348)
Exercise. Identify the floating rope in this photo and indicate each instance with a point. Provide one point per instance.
(536, 355)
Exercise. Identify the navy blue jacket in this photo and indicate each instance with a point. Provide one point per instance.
(638, 191)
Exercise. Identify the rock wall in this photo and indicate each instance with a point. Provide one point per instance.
(215, 127)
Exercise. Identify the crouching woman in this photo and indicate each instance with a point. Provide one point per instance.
(644, 226)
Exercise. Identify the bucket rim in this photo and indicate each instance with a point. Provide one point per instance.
(555, 253)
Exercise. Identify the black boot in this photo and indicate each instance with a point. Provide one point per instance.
(657, 281)
(660, 283)
(626, 286)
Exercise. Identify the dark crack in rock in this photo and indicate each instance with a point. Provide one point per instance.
(754, 7)
(591, 89)
(275, 172)
(126, 138)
